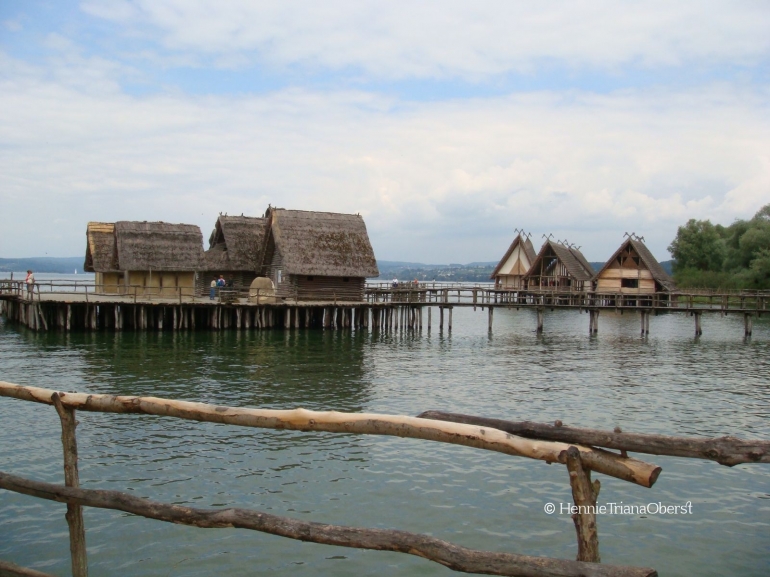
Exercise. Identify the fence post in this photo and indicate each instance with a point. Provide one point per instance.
(584, 494)
(74, 514)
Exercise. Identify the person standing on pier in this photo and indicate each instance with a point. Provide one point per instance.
(30, 280)
(213, 291)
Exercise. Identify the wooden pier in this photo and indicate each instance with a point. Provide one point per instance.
(69, 306)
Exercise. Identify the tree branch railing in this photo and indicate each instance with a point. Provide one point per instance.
(447, 554)
(575, 457)
(727, 451)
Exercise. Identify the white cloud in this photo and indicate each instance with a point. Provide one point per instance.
(435, 182)
(453, 38)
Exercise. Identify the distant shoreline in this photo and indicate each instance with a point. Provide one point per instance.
(472, 272)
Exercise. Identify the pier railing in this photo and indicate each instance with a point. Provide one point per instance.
(565, 297)
(420, 293)
(92, 291)
(550, 443)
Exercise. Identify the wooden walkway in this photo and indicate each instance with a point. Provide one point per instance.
(72, 306)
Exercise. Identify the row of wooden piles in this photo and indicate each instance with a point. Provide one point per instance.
(124, 316)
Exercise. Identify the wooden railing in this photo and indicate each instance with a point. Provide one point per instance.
(551, 443)
(579, 459)
(91, 290)
(463, 295)
(422, 293)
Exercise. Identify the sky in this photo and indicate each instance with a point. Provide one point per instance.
(447, 125)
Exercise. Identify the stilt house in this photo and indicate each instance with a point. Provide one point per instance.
(317, 256)
(559, 267)
(633, 270)
(151, 258)
(235, 251)
(510, 271)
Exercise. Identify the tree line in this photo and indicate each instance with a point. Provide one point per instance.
(723, 257)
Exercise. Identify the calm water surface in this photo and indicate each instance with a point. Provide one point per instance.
(668, 383)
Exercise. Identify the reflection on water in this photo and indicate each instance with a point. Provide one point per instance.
(669, 383)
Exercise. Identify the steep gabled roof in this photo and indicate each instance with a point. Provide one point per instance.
(657, 271)
(158, 246)
(573, 260)
(236, 244)
(526, 245)
(321, 243)
(101, 252)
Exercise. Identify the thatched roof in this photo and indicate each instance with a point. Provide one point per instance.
(321, 243)
(101, 252)
(649, 261)
(526, 245)
(158, 246)
(236, 244)
(573, 260)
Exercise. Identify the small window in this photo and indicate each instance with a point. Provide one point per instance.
(629, 283)
(345, 279)
(311, 278)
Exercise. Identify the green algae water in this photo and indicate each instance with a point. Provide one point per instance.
(668, 383)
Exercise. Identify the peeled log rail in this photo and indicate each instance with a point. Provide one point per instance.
(452, 556)
(632, 470)
(724, 450)
(10, 570)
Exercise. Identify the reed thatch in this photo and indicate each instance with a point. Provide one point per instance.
(101, 249)
(158, 246)
(526, 245)
(236, 244)
(660, 276)
(319, 243)
(560, 264)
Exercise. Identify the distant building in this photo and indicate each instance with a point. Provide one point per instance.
(559, 267)
(151, 258)
(317, 256)
(235, 251)
(633, 270)
(509, 272)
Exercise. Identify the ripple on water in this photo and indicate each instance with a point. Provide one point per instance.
(667, 383)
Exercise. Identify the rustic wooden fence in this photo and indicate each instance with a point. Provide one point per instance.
(576, 448)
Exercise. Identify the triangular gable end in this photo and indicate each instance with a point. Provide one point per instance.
(516, 260)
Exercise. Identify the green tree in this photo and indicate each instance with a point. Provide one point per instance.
(758, 275)
(763, 214)
(697, 246)
(753, 241)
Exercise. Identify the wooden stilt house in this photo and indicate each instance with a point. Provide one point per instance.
(317, 256)
(149, 258)
(235, 251)
(509, 272)
(559, 267)
(633, 270)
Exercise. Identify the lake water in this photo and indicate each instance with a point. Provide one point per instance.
(668, 383)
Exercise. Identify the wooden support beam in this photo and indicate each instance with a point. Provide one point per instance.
(74, 514)
(447, 554)
(491, 313)
(727, 451)
(540, 315)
